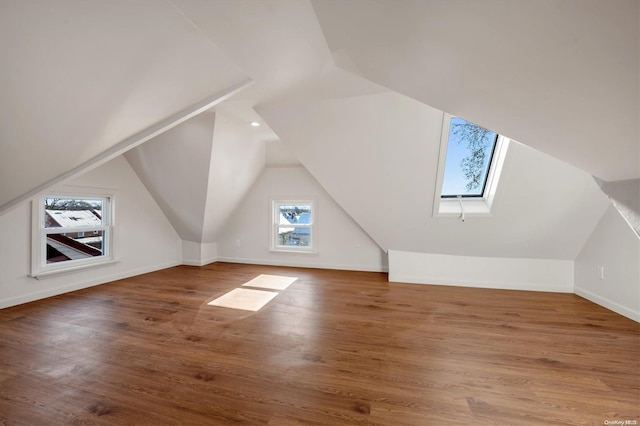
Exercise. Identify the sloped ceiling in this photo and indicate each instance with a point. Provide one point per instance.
(278, 43)
(377, 156)
(78, 77)
(345, 86)
(237, 159)
(559, 76)
(173, 161)
(198, 172)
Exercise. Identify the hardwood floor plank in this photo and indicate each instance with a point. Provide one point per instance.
(334, 348)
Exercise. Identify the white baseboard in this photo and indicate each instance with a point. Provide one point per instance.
(199, 262)
(198, 254)
(609, 304)
(55, 291)
(270, 262)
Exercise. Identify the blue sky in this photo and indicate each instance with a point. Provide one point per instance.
(454, 182)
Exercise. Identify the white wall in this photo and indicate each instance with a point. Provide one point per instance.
(486, 272)
(198, 172)
(377, 155)
(625, 195)
(147, 241)
(341, 243)
(199, 254)
(237, 158)
(177, 159)
(614, 246)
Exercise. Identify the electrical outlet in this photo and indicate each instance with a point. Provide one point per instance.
(600, 272)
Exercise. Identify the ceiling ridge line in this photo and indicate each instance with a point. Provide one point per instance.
(204, 34)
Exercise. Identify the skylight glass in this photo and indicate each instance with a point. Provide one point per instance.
(469, 152)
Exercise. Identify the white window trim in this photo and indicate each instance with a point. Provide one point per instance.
(39, 268)
(275, 218)
(472, 206)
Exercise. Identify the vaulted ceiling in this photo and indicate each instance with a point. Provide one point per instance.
(335, 83)
(79, 77)
(560, 76)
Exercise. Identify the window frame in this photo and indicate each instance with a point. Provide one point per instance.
(472, 205)
(275, 226)
(39, 266)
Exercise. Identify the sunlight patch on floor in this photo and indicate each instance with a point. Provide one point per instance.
(245, 299)
(273, 282)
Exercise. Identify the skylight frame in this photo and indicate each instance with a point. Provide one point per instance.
(453, 206)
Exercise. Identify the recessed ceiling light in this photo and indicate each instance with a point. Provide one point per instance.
(255, 124)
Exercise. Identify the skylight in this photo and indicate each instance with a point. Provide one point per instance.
(470, 149)
(469, 168)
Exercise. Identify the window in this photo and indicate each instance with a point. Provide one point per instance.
(469, 152)
(71, 232)
(469, 167)
(293, 226)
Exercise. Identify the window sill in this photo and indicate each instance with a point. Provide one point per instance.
(51, 273)
(450, 207)
(273, 250)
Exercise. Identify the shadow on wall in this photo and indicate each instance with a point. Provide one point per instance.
(625, 196)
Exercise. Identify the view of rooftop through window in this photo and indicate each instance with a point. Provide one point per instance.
(74, 228)
(469, 152)
(294, 214)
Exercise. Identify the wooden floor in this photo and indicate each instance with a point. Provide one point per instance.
(335, 348)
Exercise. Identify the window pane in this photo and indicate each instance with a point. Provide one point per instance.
(72, 212)
(294, 236)
(284, 235)
(74, 246)
(294, 225)
(469, 153)
(294, 213)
